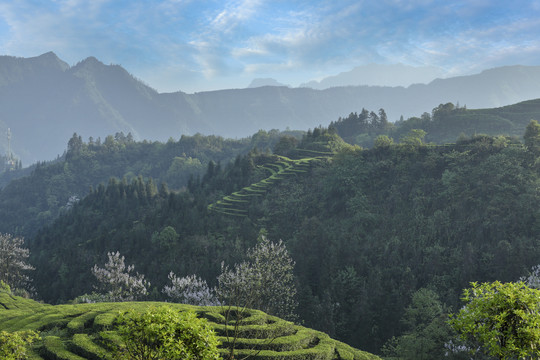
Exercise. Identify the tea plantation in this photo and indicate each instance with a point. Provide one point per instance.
(87, 331)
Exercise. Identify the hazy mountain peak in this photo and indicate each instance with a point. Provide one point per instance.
(15, 69)
(48, 60)
(259, 82)
(89, 62)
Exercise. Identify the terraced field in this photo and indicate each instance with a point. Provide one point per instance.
(236, 203)
(87, 331)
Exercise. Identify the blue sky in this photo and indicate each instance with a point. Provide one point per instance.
(199, 45)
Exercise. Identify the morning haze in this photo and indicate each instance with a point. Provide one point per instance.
(43, 95)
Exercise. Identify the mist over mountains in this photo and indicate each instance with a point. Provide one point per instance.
(44, 101)
(379, 75)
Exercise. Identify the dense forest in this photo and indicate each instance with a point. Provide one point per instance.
(368, 228)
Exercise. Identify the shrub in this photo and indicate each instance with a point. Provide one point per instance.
(13, 346)
(163, 333)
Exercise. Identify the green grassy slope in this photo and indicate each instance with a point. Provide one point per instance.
(87, 331)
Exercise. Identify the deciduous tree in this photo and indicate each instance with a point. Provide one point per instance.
(264, 281)
(13, 265)
(503, 318)
(191, 290)
(117, 283)
(532, 137)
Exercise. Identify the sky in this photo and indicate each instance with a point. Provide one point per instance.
(202, 45)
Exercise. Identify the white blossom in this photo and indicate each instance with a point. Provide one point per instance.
(190, 290)
(265, 281)
(13, 261)
(116, 282)
(533, 280)
(73, 199)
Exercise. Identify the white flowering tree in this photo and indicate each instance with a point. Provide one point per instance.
(265, 281)
(533, 279)
(116, 281)
(191, 290)
(13, 265)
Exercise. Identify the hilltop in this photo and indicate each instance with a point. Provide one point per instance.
(87, 331)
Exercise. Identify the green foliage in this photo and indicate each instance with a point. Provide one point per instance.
(91, 331)
(42, 195)
(532, 137)
(366, 229)
(182, 167)
(83, 344)
(55, 348)
(5, 287)
(366, 123)
(285, 145)
(319, 142)
(383, 141)
(503, 318)
(415, 137)
(426, 330)
(444, 125)
(163, 333)
(14, 346)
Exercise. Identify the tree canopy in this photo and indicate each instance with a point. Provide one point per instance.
(504, 318)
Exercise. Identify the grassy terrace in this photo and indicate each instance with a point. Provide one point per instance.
(87, 331)
(235, 204)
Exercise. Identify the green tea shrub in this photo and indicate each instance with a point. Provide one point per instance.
(14, 346)
(164, 333)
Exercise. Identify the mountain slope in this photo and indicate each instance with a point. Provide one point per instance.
(366, 229)
(44, 101)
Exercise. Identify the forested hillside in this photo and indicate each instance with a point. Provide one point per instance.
(444, 124)
(34, 200)
(366, 227)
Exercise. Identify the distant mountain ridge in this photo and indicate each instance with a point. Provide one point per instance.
(379, 75)
(44, 101)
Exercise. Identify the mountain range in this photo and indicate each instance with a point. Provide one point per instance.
(378, 75)
(43, 101)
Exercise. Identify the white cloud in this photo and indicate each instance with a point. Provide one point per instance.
(234, 13)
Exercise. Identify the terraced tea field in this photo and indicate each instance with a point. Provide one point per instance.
(87, 331)
(235, 204)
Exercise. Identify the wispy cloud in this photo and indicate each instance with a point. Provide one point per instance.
(207, 42)
(233, 14)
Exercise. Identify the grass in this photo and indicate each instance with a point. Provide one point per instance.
(87, 331)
